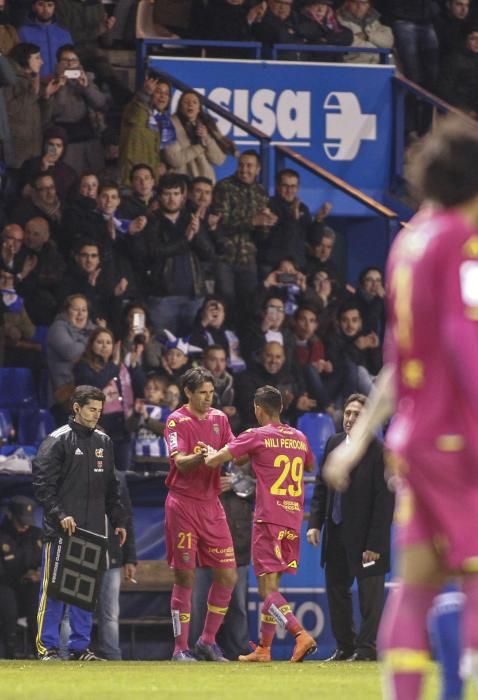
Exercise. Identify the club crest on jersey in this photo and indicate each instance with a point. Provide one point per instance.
(215, 428)
(99, 452)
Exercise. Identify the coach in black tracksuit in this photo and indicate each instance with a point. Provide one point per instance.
(356, 530)
(74, 480)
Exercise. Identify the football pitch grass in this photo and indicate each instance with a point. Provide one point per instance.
(135, 680)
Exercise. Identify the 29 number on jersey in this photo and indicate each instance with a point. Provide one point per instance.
(294, 471)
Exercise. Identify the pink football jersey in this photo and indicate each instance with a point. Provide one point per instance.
(183, 432)
(432, 339)
(278, 454)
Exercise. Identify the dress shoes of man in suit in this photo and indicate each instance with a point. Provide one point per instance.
(341, 655)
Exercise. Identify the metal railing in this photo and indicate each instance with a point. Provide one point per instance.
(384, 54)
(283, 152)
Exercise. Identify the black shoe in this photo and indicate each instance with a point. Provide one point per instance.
(50, 655)
(85, 655)
(341, 655)
(361, 656)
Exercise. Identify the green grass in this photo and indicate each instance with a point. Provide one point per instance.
(135, 680)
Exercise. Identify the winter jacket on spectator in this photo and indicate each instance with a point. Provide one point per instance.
(65, 345)
(139, 142)
(457, 83)
(368, 33)
(49, 36)
(238, 203)
(7, 77)
(193, 159)
(8, 38)
(24, 116)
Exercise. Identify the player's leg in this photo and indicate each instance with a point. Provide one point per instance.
(50, 612)
(403, 640)
(220, 592)
(181, 546)
(215, 550)
(445, 629)
(469, 664)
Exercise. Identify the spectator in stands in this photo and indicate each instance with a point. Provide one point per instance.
(320, 250)
(230, 20)
(122, 563)
(178, 357)
(324, 294)
(457, 83)
(66, 342)
(415, 39)
(72, 106)
(362, 351)
(287, 282)
(52, 162)
(146, 425)
(102, 224)
(269, 326)
(107, 284)
(8, 34)
(88, 23)
(41, 28)
(271, 369)
(20, 348)
(136, 328)
(215, 360)
(363, 20)
(278, 25)
(450, 26)
(322, 379)
(288, 237)
(13, 253)
(199, 144)
(242, 204)
(211, 328)
(319, 24)
(101, 366)
(143, 199)
(20, 562)
(39, 281)
(23, 102)
(43, 202)
(167, 256)
(200, 194)
(146, 128)
(370, 297)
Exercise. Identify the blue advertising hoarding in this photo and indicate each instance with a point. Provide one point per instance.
(337, 115)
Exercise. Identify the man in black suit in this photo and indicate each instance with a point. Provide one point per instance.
(356, 543)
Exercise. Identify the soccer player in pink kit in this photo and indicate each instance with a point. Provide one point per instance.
(431, 381)
(279, 456)
(195, 520)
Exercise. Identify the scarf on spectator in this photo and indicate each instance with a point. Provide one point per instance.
(161, 121)
(13, 302)
(51, 211)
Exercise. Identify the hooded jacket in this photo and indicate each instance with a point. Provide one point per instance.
(49, 37)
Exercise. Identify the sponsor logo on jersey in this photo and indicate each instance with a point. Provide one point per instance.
(173, 442)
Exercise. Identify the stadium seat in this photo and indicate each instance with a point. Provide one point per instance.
(317, 427)
(34, 425)
(17, 389)
(7, 431)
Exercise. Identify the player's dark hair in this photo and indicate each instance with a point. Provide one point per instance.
(361, 398)
(443, 167)
(85, 393)
(269, 398)
(193, 378)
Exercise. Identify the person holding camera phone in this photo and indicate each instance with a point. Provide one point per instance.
(70, 107)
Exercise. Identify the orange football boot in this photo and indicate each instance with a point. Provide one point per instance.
(261, 654)
(304, 645)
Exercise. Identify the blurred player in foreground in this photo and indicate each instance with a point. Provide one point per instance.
(430, 381)
(279, 455)
(196, 524)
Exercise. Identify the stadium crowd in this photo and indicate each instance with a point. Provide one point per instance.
(124, 261)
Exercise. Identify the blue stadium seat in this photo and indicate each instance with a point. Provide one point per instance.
(317, 427)
(7, 431)
(17, 389)
(34, 424)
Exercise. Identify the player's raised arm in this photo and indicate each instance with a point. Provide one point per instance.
(378, 408)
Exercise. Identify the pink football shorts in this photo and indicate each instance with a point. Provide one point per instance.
(197, 528)
(274, 548)
(441, 509)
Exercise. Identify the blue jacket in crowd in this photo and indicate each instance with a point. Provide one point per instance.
(49, 37)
